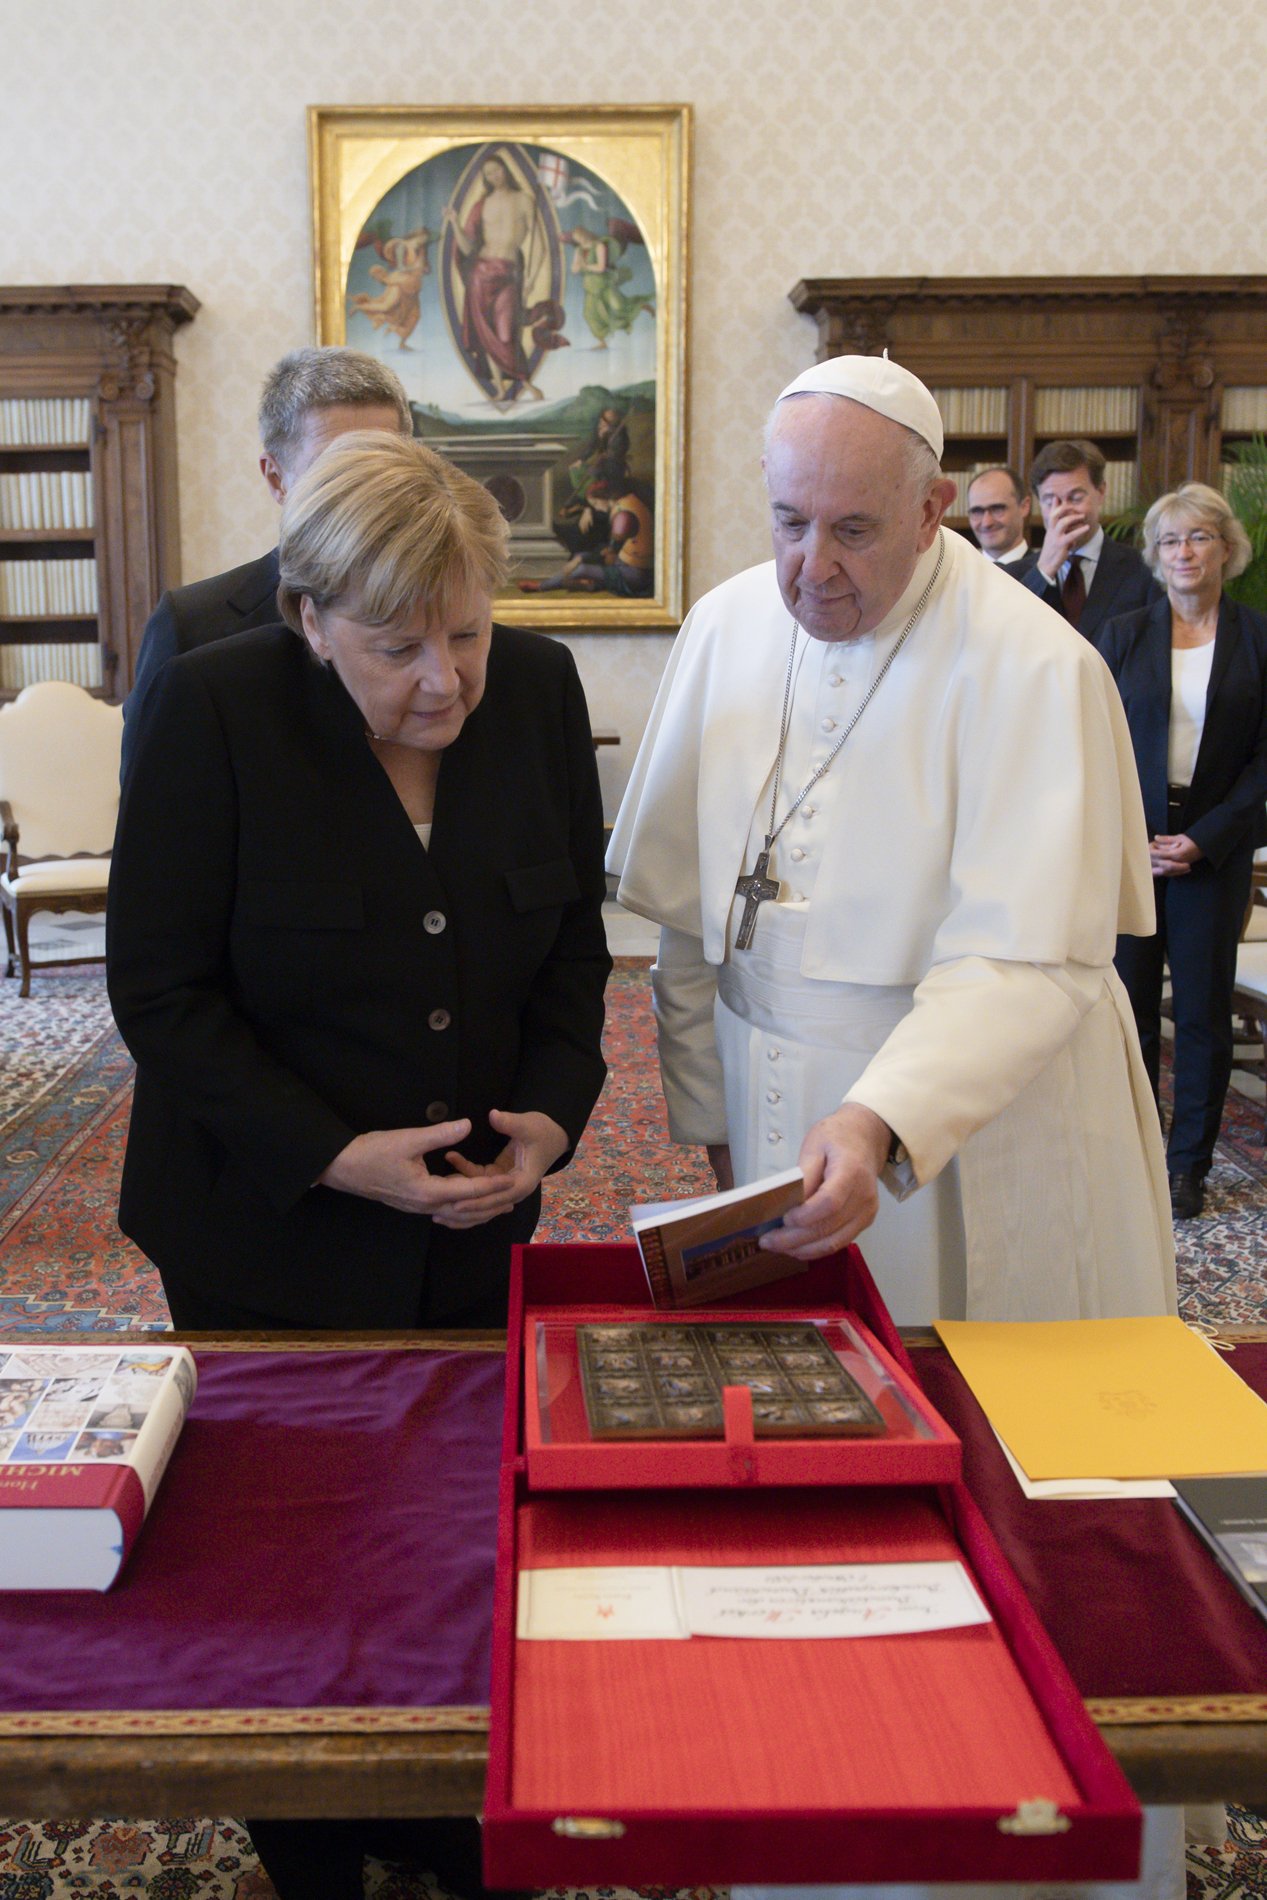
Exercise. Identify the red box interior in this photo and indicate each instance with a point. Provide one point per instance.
(554, 1296)
(719, 1760)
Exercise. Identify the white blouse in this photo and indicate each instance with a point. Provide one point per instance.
(1189, 688)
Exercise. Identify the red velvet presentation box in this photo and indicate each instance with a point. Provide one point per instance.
(962, 1754)
(555, 1295)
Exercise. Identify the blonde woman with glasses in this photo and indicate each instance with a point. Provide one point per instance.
(1192, 672)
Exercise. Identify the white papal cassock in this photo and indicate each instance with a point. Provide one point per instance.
(942, 946)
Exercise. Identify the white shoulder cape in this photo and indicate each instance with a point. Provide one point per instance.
(990, 788)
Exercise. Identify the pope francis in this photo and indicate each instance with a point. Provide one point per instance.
(887, 816)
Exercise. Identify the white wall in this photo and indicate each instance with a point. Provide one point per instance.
(164, 141)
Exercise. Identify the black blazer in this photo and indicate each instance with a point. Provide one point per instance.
(290, 968)
(1019, 569)
(189, 617)
(1120, 584)
(1224, 810)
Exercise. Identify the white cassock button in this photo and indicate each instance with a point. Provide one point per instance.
(807, 811)
(433, 923)
(437, 1111)
(797, 854)
(829, 725)
(772, 1096)
(797, 897)
(439, 1019)
(836, 679)
(772, 1055)
(774, 1136)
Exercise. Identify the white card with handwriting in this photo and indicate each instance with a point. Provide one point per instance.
(632, 1603)
(829, 1600)
(614, 1603)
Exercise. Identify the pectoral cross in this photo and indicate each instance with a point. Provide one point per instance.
(755, 889)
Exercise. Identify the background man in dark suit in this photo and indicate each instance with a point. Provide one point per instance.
(998, 514)
(1079, 571)
(309, 397)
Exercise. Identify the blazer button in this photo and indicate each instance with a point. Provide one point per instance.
(439, 1019)
(437, 1111)
(433, 923)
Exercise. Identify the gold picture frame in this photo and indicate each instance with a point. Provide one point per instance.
(524, 270)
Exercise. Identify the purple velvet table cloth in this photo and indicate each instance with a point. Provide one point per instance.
(324, 1537)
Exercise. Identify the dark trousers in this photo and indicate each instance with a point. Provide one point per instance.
(1199, 920)
(323, 1859)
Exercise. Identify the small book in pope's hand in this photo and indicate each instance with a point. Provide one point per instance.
(85, 1436)
(697, 1251)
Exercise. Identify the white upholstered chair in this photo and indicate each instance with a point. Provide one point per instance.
(59, 798)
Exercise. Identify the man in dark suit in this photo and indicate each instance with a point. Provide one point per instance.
(998, 514)
(1079, 571)
(309, 397)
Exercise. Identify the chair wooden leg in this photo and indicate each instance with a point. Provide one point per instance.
(24, 947)
(8, 938)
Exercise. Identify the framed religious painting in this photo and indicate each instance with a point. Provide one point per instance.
(524, 272)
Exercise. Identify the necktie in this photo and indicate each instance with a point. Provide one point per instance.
(1073, 590)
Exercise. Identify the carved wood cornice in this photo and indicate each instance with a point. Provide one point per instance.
(814, 293)
(108, 303)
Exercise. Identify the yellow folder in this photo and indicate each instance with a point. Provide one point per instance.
(1110, 1398)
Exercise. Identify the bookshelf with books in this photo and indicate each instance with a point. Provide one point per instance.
(89, 534)
(1155, 370)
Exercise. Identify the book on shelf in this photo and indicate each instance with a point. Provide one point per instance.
(1089, 411)
(33, 422)
(1244, 409)
(86, 1433)
(705, 1249)
(46, 498)
(1230, 1514)
(973, 411)
(48, 587)
(30, 662)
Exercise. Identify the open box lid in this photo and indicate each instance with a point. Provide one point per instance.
(715, 1761)
(556, 1435)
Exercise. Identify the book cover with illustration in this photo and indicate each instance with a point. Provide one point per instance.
(706, 1249)
(85, 1436)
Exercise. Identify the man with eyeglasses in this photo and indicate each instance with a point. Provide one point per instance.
(1079, 571)
(998, 514)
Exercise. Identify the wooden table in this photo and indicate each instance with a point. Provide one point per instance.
(301, 1766)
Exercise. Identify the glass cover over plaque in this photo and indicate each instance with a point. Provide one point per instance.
(632, 1379)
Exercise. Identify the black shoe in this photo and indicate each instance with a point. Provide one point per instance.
(1187, 1195)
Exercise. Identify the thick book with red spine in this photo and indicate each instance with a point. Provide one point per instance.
(85, 1436)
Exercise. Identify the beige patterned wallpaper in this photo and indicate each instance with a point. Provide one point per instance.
(164, 141)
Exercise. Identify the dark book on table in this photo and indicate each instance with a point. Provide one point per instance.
(1231, 1515)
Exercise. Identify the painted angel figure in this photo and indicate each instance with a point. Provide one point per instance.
(398, 305)
(596, 261)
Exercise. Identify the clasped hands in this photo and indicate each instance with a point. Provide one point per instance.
(1173, 855)
(390, 1165)
(842, 1158)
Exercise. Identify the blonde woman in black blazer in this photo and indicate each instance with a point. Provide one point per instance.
(1192, 672)
(356, 944)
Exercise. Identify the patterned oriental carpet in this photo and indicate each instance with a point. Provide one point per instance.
(65, 1089)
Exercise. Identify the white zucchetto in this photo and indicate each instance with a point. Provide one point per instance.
(878, 384)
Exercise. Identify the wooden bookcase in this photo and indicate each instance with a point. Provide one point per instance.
(89, 525)
(1159, 372)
